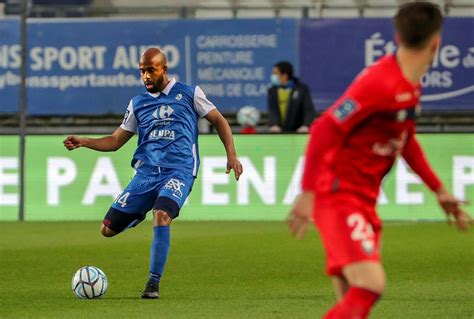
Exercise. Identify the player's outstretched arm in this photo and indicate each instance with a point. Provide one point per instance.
(416, 159)
(108, 143)
(324, 137)
(225, 134)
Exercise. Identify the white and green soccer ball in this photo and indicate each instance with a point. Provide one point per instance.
(248, 116)
(89, 282)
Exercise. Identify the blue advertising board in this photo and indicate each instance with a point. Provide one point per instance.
(10, 63)
(333, 51)
(91, 66)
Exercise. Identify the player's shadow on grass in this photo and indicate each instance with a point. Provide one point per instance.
(292, 297)
(123, 298)
(248, 297)
(424, 299)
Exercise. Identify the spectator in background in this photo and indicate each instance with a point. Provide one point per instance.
(290, 108)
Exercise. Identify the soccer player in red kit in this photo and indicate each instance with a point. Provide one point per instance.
(352, 147)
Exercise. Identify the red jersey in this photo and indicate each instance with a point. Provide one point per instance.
(365, 130)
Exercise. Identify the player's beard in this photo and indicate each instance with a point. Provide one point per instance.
(156, 84)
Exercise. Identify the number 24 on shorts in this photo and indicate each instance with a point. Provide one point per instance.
(362, 230)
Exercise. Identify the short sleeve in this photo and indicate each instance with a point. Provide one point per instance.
(201, 104)
(129, 122)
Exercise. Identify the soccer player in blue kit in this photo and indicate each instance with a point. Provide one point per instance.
(166, 159)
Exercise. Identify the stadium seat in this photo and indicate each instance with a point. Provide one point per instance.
(246, 8)
(461, 12)
(212, 9)
(379, 12)
(61, 2)
(462, 2)
(291, 13)
(215, 3)
(207, 13)
(142, 3)
(301, 3)
(255, 13)
(255, 9)
(334, 12)
(257, 3)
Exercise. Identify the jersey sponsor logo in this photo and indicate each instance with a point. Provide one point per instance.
(174, 185)
(393, 147)
(345, 109)
(163, 112)
(162, 134)
(166, 111)
(178, 97)
(403, 97)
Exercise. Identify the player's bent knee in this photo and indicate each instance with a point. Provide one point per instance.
(367, 275)
(377, 286)
(161, 218)
(164, 211)
(107, 232)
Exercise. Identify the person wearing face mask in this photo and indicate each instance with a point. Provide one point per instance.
(290, 107)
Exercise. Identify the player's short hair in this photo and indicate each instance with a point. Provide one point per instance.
(417, 22)
(285, 67)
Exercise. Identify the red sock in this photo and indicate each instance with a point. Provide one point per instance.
(356, 304)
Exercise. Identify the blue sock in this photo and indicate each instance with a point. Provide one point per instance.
(159, 252)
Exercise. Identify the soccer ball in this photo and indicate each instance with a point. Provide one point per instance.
(248, 116)
(89, 282)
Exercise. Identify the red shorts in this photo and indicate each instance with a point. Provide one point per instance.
(350, 231)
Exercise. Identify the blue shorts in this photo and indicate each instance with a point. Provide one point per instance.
(151, 188)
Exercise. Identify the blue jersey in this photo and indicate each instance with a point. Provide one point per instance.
(166, 124)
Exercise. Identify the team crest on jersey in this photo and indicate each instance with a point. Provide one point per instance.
(174, 185)
(178, 97)
(345, 109)
(368, 246)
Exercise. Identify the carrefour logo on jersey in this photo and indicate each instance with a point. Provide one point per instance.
(163, 112)
(163, 115)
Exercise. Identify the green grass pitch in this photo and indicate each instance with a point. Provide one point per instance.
(225, 270)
